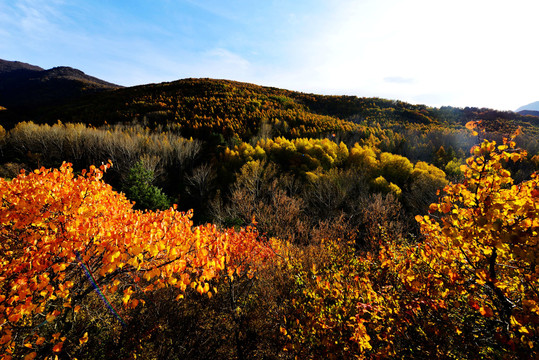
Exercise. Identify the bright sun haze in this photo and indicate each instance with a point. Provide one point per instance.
(459, 53)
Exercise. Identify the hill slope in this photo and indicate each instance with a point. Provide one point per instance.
(203, 108)
(10, 66)
(25, 86)
(529, 112)
(200, 107)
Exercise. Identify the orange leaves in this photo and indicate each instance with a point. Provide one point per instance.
(515, 157)
(63, 233)
(202, 289)
(486, 311)
(472, 125)
(6, 337)
(50, 317)
(14, 317)
(445, 207)
(58, 347)
(30, 356)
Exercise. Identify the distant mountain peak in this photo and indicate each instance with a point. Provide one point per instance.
(23, 85)
(534, 106)
(67, 72)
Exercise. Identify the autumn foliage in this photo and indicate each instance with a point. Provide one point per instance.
(467, 290)
(75, 256)
(65, 237)
(484, 251)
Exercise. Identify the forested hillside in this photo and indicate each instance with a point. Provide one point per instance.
(301, 230)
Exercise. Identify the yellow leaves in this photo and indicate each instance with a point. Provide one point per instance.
(484, 246)
(30, 356)
(361, 337)
(200, 289)
(514, 321)
(127, 295)
(83, 339)
(115, 255)
(515, 157)
(531, 306)
(153, 250)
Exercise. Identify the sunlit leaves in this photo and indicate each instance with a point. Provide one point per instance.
(484, 248)
(65, 236)
(468, 289)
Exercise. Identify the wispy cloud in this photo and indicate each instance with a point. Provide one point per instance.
(477, 53)
(36, 19)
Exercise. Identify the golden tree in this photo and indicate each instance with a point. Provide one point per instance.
(483, 250)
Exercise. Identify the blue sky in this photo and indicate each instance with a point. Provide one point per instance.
(460, 52)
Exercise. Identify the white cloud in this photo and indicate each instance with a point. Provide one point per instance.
(467, 52)
(463, 52)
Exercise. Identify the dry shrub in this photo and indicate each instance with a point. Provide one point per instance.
(258, 194)
(340, 227)
(382, 219)
(11, 170)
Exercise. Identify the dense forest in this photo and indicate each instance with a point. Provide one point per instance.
(209, 219)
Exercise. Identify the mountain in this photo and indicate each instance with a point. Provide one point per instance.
(25, 86)
(534, 106)
(9, 66)
(204, 108)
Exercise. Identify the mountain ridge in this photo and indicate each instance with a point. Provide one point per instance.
(226, 107)
(25, 85)
(9, 66)
(534, 106)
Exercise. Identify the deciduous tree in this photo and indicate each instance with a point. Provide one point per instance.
(64, 237)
